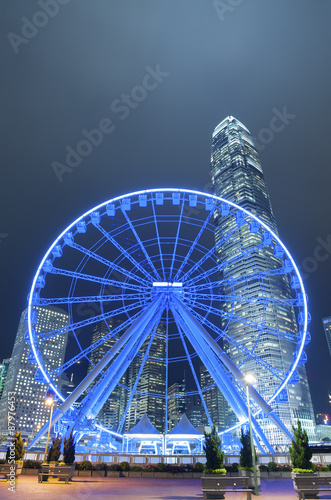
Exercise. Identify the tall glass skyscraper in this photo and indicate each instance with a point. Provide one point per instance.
(327, 331)
(31, 412)
(237, 176)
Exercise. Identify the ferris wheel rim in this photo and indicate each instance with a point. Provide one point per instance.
(217, 199)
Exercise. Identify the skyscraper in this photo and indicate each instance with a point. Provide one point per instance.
(31, 412)
(3, 374)
(176, 403)
(237, 176)
(220, 412)
(327, 331)
(110, 414)
(151, 389)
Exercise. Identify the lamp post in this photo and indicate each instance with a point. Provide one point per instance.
(249, 380)
(49, 402)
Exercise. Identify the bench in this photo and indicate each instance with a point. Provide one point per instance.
(311, 485)
(216, 487)
(54, 471)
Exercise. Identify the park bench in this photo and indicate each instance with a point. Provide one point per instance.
(54, 471)
(216, 487)
(304, 484)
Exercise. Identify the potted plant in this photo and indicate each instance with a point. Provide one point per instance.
(31, 467)
(213, 451)
(114, 470)
(300, 452)
(85, 468)
(246, 460)
(69, 447)
(197, 470)
(135, 471)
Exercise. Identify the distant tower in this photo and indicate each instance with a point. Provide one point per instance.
(220, 412)
(237, 176)
(31, 411)
(109, 415)
(327, 331)
(176, 403)
(3, 373)
(152, 381)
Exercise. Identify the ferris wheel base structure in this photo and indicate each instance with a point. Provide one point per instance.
(163, 243)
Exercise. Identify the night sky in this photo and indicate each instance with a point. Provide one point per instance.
(157, 77)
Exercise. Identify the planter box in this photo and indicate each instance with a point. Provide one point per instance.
(187, 475)
(197, 475)
(248, 473)
(135, 473)
(275, 474)
(148, 474)
(160, 474)
(30, 472)
(76, 472)
(264, 474)
(324, 473)
(113, 473)
(98, 473)
(85, 473)
(287, 474)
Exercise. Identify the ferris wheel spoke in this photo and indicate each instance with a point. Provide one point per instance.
(106, 262)
(124, 252)
(39, 301)
(133, 229)
(96, 279)
(194, 244)
(222, 265)
(243, 321)
(89, 321)
(158, 238)
(210, 253)
(238, 345)
(176, 241)
(84, 353)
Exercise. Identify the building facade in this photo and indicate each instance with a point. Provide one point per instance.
(110, 414)
(327, 331)
(31, 412)
(3, 374)
(176, 403)
(237, 176)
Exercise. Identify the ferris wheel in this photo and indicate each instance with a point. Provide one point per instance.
(180, 278)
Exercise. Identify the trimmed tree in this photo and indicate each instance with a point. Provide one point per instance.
(55, 450)
(213, 450)
(246, 450)
(299, 450)
(19, 446)
(69, 449)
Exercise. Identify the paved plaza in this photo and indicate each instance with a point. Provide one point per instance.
(28, 488)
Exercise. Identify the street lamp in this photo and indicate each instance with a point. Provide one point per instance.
(249, 380)
(50, 402)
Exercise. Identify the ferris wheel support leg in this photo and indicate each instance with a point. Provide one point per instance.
(233, 369)
(223, 381)
(141, 322)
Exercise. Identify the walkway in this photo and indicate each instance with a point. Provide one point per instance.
(27, 488)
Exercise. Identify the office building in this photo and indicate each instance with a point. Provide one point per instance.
(150, 392)
(219, 410)
(176, 403)
(31, 412)
(3, 374)
(327, 331)
(237, 176)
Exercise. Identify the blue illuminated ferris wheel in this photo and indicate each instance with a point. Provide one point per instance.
(155, 269)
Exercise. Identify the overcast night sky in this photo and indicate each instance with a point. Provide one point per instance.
(251, 61)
